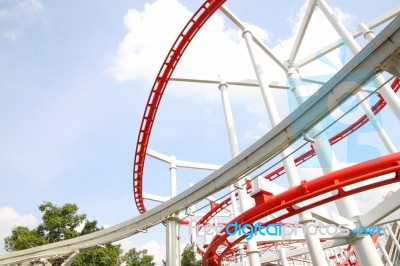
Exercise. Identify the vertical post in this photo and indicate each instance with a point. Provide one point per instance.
(244, 198)
(173, 250)
(172, 224)
(313, 243)
(364, 247)
(282, 255)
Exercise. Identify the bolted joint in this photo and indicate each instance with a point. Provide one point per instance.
(246, 31)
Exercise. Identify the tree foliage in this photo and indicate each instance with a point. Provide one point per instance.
(188, 257)
(101, 256)
(61, 223)
(138, 258)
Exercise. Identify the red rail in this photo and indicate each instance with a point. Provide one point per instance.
(335, 181)
(178, 48)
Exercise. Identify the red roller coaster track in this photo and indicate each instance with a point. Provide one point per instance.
(175, 53)
(335, 181)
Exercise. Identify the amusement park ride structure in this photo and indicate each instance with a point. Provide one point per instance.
(248, 180)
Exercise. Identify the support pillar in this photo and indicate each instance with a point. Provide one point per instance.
(282, 256)
(172, 241)
(313, 242)
(364, 247)
(244, 199)
(172, 225)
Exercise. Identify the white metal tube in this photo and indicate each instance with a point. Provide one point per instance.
(302, 30)
(172, 245)
(230, 126)
(244, 199)
(384, 253)
(386, 92)
(282, 255)
(375, 123)
(313, 242)
(172, 224)
(233, 144)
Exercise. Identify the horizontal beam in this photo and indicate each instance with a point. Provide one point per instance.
(244, 83)
(155, 197)
(337, 90)
(179, 163)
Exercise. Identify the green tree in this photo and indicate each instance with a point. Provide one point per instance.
(23, 238)
(109, 255)
(138, 258)
(188, 257)
(61, 223)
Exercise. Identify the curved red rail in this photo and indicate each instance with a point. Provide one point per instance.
(334, 181)
(189, 31)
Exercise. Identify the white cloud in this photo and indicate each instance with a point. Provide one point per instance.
(30, 9)
(217, 49)
(158, 251)
(150, 35)
(16, 15)
(9, 219)
(153, 248)
(31, 6)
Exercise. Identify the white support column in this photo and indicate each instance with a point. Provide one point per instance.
(172, 224)
(386, 92)
(365, 249)
(173, 239)
(313, 242)
(244, 199)
(282, 255)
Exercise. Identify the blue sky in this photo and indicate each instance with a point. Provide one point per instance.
(74, 81)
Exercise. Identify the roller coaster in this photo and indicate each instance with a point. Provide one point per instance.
(247, 190)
